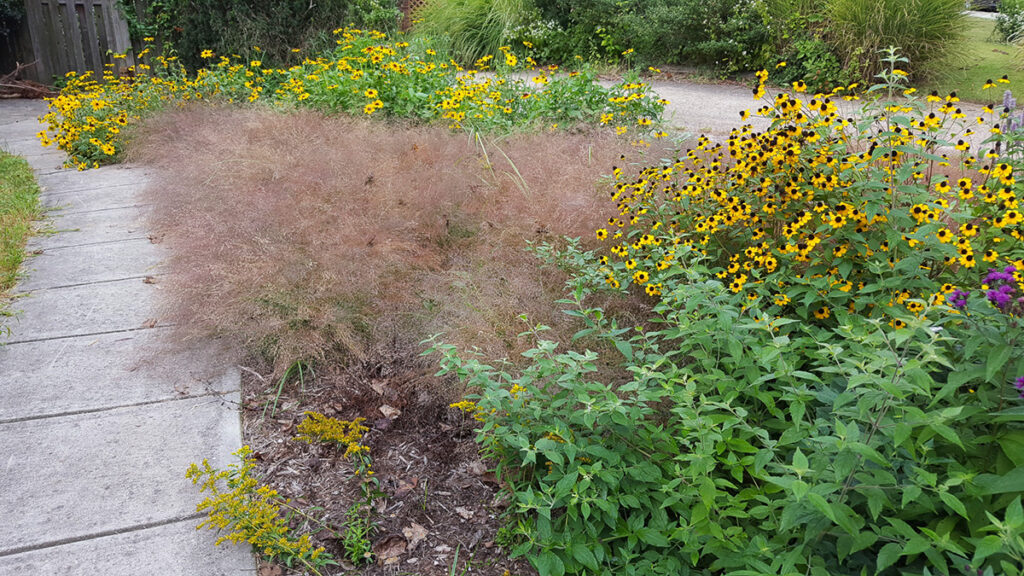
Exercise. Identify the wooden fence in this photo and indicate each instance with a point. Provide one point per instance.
(76, 35)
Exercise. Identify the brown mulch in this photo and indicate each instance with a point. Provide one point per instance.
(424, 456)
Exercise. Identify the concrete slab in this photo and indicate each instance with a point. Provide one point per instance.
(78, 228)
(90, 263)
(81, 310)
(97, 473)
(67, 181)
(52, 377)
(176, 549)
(115, 197)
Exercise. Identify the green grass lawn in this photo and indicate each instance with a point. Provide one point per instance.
(19, 206)
(984, 58)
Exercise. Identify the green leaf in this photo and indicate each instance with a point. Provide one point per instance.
(581, 552)
(800, 461)
(799, 488)
(819, 502)
(954, 503)
(986, 484)
(624, 348)
(888, 555)
(652, 537)
(1012, 444)
(997, 357)
(864, 540)
(988, 546)
(910, 493)
(1015, 514)
(548, 563)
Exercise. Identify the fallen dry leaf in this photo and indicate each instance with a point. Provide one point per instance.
(389, 548)
(149, 280)
(151, 323)
(390, 411)
(270, 570)
(406, 487)
(415, 534)
(466, 513)
(476, 468)
(378, 386)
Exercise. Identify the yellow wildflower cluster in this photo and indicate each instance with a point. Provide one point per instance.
(252, 514)
(812, 213)
(366, 73)
(345, 434)
(88, 118)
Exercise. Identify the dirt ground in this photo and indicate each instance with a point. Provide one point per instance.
(439, 500)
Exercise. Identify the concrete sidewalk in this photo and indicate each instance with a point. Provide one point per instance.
(99, 414)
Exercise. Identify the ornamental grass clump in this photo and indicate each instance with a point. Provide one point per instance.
(828, 379)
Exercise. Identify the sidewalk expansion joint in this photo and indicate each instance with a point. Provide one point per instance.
(85, 335)
(117, 407)
(111, 281)
(94, 210)
(87, 244)
(103, 534)
(91, 188)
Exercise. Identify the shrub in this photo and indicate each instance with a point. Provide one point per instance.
(829, 383)
(266, 30)
(11, 14)
(472, 28)
(799, 31)
(727, 36)
(927, 32)
(1010, 24)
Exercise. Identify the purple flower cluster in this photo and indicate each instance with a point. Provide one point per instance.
(1015, 121)
(1019, 385)
(1001, 288)
(958, 299)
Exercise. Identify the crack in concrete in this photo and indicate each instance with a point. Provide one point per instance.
(117, 407)
(101, 534)
(62, 337)
(92, 283)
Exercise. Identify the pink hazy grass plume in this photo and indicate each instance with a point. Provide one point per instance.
(300, 236)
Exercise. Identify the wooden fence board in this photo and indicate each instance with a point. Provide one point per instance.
(75, 35)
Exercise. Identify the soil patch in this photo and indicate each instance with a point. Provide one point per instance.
(439, 498)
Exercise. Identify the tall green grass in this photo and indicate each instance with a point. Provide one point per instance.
(473, 28)
(19, 206)
(928, 32)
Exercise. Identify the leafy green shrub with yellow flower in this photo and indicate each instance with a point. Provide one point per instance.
(830, 379)
(366, 74)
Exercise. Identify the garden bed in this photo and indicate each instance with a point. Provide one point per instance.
(440, 513)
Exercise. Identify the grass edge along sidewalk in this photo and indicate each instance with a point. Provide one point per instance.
(19, 208)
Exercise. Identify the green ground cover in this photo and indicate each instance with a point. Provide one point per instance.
(19, 206)
(984, 58)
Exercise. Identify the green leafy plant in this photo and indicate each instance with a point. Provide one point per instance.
(827, 384)
(1010, 24)
(264, 30)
